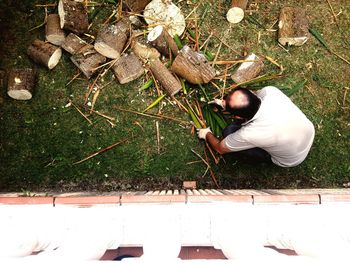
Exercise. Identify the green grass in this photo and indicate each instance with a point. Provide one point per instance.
(41, 139)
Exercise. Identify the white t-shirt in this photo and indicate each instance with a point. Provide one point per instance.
(279, 127)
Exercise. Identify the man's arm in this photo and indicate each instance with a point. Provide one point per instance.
(216, 144)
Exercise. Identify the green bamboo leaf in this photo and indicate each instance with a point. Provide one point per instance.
(319, 37)
(147, 85)
(178, 41)
(154, 103)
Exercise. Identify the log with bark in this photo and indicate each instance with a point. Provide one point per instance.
(236, 13)
(128, 68)
(166, 13)
(72, 44)
(162, 41)
(44, 53)
(143, 50)
(165, 78)
(111, 39)
(249, 69)
(192, 66)
(20, 83)
(88, 60)
(73, 16)
(136, 6)
(293, 26)
(53, 31)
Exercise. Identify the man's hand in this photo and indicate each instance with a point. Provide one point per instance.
(218, 102)
(202, 133)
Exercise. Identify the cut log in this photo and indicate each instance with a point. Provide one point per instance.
(143, 50)
(136, 6)
(54, 33)
(88, 60)
(249, 69)
(45, 54)
(20, 83)
(166, 13)
(192, 66)
(165, 78)
(128, 68)
(111, 40)
(136, 22)
(72, 44)
(236, 13)
(162, 41)
(293, 26)
(73, 16)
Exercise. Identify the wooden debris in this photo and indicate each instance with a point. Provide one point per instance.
(110, 41)
(88, 60)
(20, 83)
(73, 16)
(54, 33)
(128, 68)
(73, 44)
(192, 66)
(143, 50)
(45, 54)
(189, 185)
(136, 6)
(165, 78)
(248, 70)
(293, 26)
(165, 13)
(162, 41)
(236, 13)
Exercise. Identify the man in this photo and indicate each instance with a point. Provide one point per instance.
(271, 128)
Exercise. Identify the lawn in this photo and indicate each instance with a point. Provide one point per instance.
(41, 139)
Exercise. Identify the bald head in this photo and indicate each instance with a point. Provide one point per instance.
(242, 103)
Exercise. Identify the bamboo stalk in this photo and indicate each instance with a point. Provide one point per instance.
(101, 151)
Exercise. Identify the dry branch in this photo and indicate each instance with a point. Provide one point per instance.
(20, 83)
(192, 66)
(45, 54)
(128, 68)
(293, 26)
(54, 33)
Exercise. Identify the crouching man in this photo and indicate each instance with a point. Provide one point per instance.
(271, 128)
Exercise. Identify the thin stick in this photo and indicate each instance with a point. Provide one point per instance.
(216, 159)
(42, 24)
(227, 45)
(206, 41)
(181, 106)
(212, 174)
(217, 53)
(74, 77)
(156, 116)
(94, 99)
(101, 151)
(158, 137)
(103, 115)
(81, 113)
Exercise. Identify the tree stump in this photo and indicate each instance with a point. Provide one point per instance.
(45, 54)
(165, 78)
(248, 70)
(162, 41)
(73, 16)
(236, 13)
(88, 60)
(72, 44)
(20, 83)
(111, 40)
(192, 66)
(128, 68)
(54, 33)
(136, 6)
(143, 50)
(293, 26)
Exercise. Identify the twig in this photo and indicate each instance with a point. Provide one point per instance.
(225, 44)
(217, 53)
(158, 137)
(103, 115)
(81, 113)
(94, 99)
(206, 41)
(74, 77)
(212, 174)
(157, 116)
(204, 161)
(101, 151)
(43, 23)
